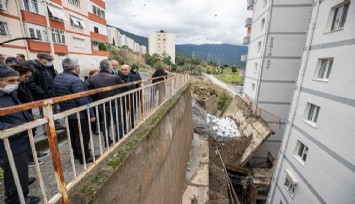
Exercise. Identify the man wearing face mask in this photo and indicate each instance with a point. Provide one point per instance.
(19, 143)
(41, 81)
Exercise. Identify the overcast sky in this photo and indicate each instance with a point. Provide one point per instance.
(192, 21)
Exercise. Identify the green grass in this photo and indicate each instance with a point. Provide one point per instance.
(230, 77)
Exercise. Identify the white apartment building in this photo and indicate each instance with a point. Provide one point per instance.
(143, 49)
(316, 163)
(63, 28)
(276, 36)
(162, 42)
(114, 36)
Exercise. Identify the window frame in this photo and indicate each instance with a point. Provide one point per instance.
(58, 36)
(74, 3)
(324, 69)
(262, 23)
(301, 152)
(33, 31)
(6, 28)
(312, 113)
(290, 186)
(339, 18)
(31, 5)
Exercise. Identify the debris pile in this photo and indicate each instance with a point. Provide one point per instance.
(224, 127)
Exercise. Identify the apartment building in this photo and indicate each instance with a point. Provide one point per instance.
(276, 36)
(316, 163)
(162, 42)
(63, 28)
(114, 36)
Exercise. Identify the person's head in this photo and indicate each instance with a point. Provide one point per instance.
(21, 57)
(11, 61)
(71, 65)
(24, 71)
(2, 57)
(134, 68)
(105, 65)
(45, 59)
(125, 69)
(93, 72)
(166, 67)
(115, 64)
(8, 79)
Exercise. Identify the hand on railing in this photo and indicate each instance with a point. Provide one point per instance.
(92, 119)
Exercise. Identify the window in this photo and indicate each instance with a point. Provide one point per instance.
(74, 2)
(31, 5)
(255, 67)
(252, 86)
(76, 22)
(313, 112)
(56, 13)
(98, 11)
(3, 28)
(264, 3)
(339, 17)
(325, 67)
(259, 46)
(35, 31)
(3, 5)
(96, 29)
(301, 152)
(262, 23)
(58, 36)
(78, 42)
(290, 187)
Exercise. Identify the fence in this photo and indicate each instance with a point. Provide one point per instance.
(118, 116)
(267, 116)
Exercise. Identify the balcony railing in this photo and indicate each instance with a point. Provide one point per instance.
(246, 40)
(243, 58)
(250, 4)
(128, 111)
(248, 22)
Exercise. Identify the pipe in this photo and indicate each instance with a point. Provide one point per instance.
(22, 27)
(295, 100)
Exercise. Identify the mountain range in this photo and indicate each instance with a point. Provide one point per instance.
(224, 53)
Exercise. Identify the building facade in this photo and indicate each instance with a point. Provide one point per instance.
(316, 163)
(162, 42)
(114, 36)
(63, 28)
(275, 42)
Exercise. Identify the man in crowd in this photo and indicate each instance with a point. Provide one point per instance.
(66, 83)
(103, 79)
(131, 100)
(41, 82)
(19, 143)
(2, 60)
(134, 71)
(25, 96)
(11, 61)
(21, 57)
(115, 66)
(160, 72)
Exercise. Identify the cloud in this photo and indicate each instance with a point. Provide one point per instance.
(192, 21)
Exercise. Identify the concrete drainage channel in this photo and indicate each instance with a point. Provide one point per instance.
(225, 140)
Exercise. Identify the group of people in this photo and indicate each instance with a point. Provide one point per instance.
(24, 81)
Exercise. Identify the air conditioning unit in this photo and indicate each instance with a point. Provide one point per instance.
(3, 5)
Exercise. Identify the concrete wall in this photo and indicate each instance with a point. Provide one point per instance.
(210, 105)
(150, 166)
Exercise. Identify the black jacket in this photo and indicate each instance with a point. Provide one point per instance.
(68, 83)
(41, 81)
(130, 78)
(158, 73)
(24, 94)
(19, 143)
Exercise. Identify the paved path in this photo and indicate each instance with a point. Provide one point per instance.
(232, 89)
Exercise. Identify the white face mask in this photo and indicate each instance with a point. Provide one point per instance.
(9, 88)
(48, 64)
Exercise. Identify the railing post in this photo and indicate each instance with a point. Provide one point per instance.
(165, 88)
(142, 103)
(53, 146)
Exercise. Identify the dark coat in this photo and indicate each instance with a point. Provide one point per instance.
(41, 81)
(24, 94)
(68, 83)
(158, 73)
(19, 143)
(136, 74)
(127, 79)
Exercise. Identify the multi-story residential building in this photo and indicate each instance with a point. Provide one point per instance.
(63, 28)
(316, 163)
(162, 42)
(143, 49)
(276, 36)
(114, 36)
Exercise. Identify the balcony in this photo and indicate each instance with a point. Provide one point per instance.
(246, 40)
(38, 46)
(243, 58)
(248, 22)
(100, 53)
(250, 5)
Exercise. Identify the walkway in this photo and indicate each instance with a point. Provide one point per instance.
(232, 89)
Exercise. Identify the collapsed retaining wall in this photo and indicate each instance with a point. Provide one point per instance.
(148, 167)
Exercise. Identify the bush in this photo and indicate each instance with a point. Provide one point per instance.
(102, 47)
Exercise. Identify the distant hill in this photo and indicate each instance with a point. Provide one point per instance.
(225, 53)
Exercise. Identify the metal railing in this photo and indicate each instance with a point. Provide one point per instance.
(267, 116)
(116, 117)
